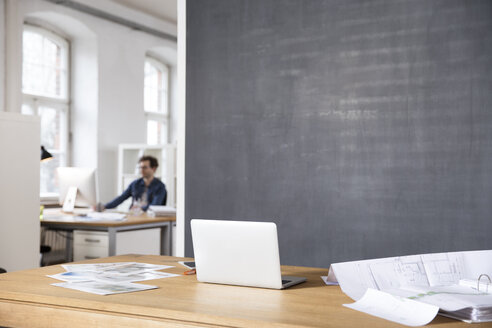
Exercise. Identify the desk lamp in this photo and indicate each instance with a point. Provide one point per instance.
(45, 155)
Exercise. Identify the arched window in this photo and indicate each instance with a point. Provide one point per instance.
(45, 75)
(156, 101)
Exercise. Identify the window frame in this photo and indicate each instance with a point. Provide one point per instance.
(59, 103)
(64, 45)
(162, 117)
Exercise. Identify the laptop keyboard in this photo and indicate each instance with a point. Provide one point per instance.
(285, 281)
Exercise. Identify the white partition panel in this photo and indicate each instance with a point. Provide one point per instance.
(19, 191)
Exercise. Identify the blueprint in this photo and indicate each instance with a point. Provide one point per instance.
(438, 269)
(433, 279)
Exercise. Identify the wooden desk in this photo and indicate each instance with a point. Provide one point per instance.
(28, 300)
(53, 220)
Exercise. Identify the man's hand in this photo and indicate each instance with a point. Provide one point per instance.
(99, 207)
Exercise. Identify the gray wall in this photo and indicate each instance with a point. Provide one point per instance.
(362, 128)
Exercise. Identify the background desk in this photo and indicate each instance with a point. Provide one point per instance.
(28, 299)
(52, 221)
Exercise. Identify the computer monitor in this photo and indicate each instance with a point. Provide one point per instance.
(78, 187)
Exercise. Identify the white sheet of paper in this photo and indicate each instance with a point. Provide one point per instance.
(331, 278)
(115, 268)
(163, 209)
(354, 278)
(148, 275)
(476, 263)
(328, 282)
(70, 276)
(133, 268)
(110, 277)
(103, 288)
(400, 271)
(444, 269)
(397, 309)
(97, 267)
(484, 287)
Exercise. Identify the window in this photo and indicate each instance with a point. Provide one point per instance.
(156, 101)
(45, 93)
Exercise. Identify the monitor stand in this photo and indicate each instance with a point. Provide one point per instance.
(69, 203)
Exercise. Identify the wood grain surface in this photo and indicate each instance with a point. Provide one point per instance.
(27, 299)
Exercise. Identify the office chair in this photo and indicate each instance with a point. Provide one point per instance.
(43, 249)
(53, 247)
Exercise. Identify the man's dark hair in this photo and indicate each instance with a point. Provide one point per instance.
(152, 160)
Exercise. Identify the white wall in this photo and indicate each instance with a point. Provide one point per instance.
(84, 106)
(107, 82)
(19, 199)
(2, 55)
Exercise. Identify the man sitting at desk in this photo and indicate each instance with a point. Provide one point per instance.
(146, 191)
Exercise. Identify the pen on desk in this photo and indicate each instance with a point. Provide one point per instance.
(189, 272)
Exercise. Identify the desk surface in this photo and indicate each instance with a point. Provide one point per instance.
(28, 299)
(50, 217)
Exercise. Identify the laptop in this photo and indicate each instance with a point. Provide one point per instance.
(238, 253)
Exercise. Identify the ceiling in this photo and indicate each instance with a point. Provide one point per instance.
(162, 9)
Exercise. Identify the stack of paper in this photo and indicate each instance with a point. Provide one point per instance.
(110, 278)
(470, 314)
(106, 216)
(444, 281)
(159, 210)
(455, 301)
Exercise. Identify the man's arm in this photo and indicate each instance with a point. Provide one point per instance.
(121, 198)
(158, 198)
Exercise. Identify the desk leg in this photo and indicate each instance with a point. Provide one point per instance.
(166, 239)
(170, 238)
(69, 246)
(164, 230)
(112, 241)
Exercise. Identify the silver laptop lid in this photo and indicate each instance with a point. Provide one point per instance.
(237, 253)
